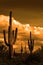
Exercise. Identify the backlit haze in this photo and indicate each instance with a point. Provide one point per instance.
(23, 33)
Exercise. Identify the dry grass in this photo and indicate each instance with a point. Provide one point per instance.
(24, 59)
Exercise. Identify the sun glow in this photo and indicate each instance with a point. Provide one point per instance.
(4, 18)
(16, 22)
(36, 32)
(15, 46)
(26, 29)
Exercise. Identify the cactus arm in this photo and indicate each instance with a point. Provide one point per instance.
(33, 43)
(14, 35)
(9, 34)
(5, 38)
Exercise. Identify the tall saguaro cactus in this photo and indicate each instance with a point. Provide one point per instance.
(11, 36)
(31, 43)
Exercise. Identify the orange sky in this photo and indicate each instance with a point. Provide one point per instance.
(25, 11)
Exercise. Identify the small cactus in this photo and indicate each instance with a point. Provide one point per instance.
(11, 37)
(21, 49)
(31, 43)
(25, 49)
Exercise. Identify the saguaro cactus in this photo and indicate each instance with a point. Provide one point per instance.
(31, 43)
(11, 37)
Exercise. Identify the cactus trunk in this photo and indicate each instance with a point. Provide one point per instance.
(11, 37)
(11, 51)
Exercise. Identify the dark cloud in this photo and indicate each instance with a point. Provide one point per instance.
(25, 11)
(21, 3)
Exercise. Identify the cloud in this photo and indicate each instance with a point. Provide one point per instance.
(23, 30)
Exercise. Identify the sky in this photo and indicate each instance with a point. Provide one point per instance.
(25, 11)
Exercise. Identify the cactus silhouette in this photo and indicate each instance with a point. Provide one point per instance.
(25, 49)
(31, 43)
(11, 36)
(21, 49)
